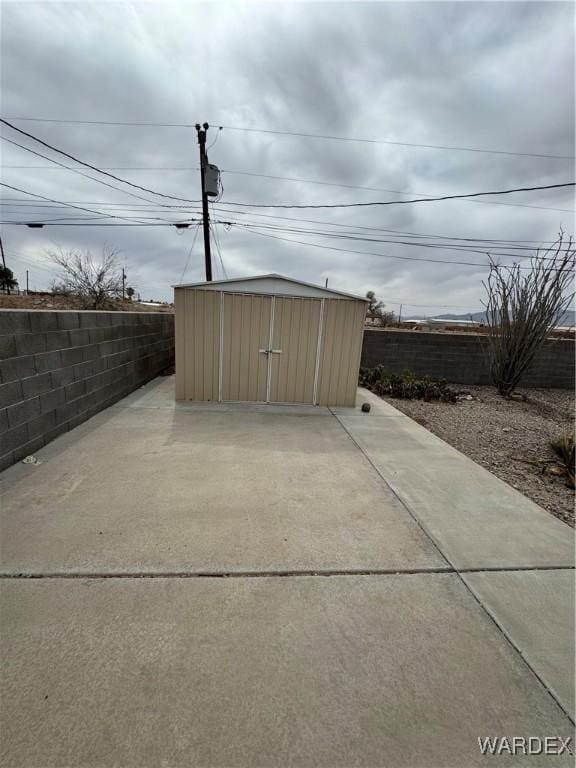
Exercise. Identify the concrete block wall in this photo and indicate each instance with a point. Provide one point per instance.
(59, 368)
(460, 358)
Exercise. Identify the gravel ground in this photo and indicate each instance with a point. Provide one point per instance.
(496, 433)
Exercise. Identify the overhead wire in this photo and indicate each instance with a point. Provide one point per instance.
(213, 230)
(59, 202)
(80, 173)
(466, 248)
(80, 208)
(139, 222)
(301, 181)
(197, 229)
(133, 221)
(71, 224)
(406, 202)
(28, 262)
(304, 181)
(302, 134)
(392, 191)
(94, 167)
(347, 226)
(299, 206)
(370, 253)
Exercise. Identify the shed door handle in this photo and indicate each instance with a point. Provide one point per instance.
(271, 351)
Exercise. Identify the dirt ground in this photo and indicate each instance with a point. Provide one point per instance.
(55, 301)
(498, 433)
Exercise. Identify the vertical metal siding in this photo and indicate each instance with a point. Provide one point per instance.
(296, 328)
(198, 344)
(246, 332)
(219, 337)
(343, 327)
(179, 333)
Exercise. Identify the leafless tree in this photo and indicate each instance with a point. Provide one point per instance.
(95, 282)
(522, 307)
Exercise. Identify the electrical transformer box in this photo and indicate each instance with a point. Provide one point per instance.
(211, 178)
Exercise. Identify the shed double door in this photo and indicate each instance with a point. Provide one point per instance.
(269, 348)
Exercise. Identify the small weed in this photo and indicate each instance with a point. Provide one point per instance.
(563, 447)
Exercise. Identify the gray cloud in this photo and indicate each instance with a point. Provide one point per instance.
(491, 75)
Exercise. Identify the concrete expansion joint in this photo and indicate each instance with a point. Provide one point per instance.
(460, 573)
(273, 574)
(222, 574)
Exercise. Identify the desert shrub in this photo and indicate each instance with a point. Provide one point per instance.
(563, 447)
(405, 385)
(523, 304)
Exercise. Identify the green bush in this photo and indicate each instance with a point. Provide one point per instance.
(405, 385)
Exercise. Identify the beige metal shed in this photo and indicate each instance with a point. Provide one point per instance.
(267, 339)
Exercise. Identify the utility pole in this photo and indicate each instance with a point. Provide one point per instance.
(4, 263)
(201, 130)
(400, 315)
(123, 283)
(27, 291)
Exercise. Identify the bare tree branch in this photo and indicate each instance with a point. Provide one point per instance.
(522, 308)
(95, 282)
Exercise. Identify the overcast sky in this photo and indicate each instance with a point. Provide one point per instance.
(497, 76)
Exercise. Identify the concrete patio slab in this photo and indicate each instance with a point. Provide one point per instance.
(535, 609)
(160, 394)
(476, 519)
(167, 489)
(396, 671)
(122, 647)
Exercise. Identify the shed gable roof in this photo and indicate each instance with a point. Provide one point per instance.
(246, 284)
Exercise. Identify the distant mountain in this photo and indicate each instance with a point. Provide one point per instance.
(568, 318)
(478, 316)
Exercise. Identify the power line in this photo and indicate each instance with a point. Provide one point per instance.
(75, 170)
(304, 135)
(138, 222)
(51, 200)
(366, 253)
(93, 167)
(398, 143)
(347, 226)
(217, 243)
(392, 191)
(64, 224)
(69, 205)
(196, 230)
(369, 253)
(495, 249)
(408, 202)
(79, 222)
(296, 180)
(29, 263)
(106, 167)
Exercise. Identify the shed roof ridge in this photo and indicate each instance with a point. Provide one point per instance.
(274, 275)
